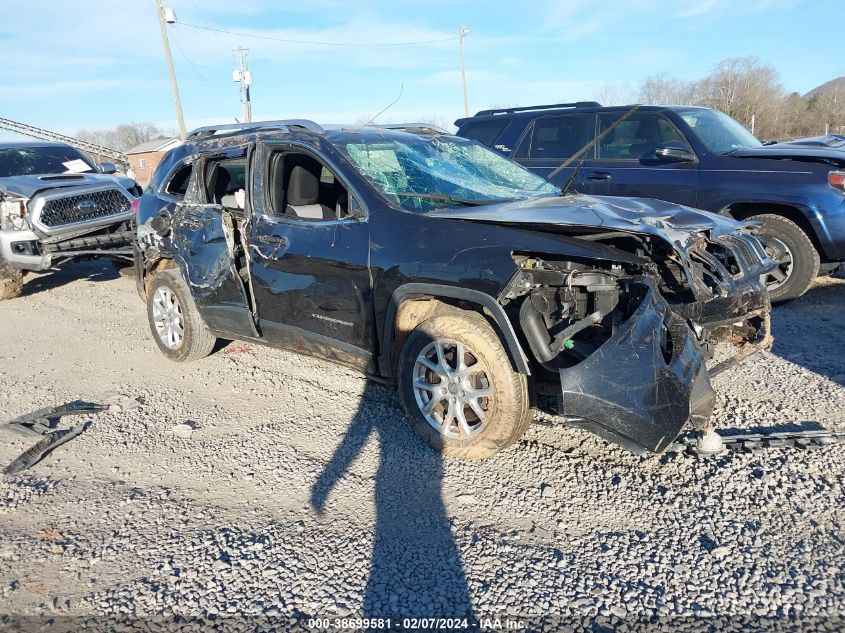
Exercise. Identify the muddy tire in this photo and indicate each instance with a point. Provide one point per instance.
(176, 324)
(469, 410)
(11, 280)
(797, 257)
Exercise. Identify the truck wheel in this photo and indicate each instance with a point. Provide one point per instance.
(175, 322)
(11, 280)
(457, 386)
(796, 257)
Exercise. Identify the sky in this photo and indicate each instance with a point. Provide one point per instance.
(95, 64)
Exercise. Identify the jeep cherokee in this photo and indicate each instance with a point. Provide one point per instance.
(431, 262)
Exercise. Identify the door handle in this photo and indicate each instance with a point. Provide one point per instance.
(273, 240)
(599, 175)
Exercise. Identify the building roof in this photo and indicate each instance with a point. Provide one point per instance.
(158, 145)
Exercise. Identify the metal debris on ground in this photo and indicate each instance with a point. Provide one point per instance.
(755, 442)
(43, 423)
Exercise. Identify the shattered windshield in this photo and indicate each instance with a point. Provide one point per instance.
(28, 161)
(719, 132)
(422, 173)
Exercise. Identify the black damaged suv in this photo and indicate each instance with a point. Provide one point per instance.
(430, 261)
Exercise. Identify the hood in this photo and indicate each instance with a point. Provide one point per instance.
(28, 186)
(802, 150)
(681, 227)
(676, 224)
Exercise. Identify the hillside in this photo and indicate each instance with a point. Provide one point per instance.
(833, 85)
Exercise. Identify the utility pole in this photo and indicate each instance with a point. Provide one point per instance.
(242, 75)
(166, 16)
(462, 32)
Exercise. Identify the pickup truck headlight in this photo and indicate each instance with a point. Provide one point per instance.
(12, 214)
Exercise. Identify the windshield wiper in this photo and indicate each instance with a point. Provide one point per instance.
(445, 197)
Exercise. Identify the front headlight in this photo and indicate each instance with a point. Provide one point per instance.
(12, 215)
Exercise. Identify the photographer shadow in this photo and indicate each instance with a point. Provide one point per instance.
(416, 569)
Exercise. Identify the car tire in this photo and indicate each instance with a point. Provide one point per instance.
(176, 324)
(800, 266)
(506, 412)
(11, 280)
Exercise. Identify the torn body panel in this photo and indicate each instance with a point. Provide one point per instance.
(644, 384)
(207, 236)
(628, 368)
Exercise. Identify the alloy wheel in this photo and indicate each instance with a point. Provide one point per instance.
(779, 253)
(168, 318)
(452, 389)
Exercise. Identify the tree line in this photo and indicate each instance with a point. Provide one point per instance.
(748, 90)
(126, 136)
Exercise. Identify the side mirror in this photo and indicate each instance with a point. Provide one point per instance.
(674, 151)
(108, 168)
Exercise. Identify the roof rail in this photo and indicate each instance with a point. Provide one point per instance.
(231, 128)
(415, 128)
(552, 106)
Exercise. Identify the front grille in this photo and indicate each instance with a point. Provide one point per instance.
(745, 247)
(83, 207)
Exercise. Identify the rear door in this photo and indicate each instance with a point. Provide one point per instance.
(548, 141)
(207, 241)
(624, 162)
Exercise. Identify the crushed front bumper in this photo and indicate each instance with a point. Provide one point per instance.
(644, 384)
(20, 249)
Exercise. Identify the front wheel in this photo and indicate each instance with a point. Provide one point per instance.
(176, 324)
(792, 250)
(11, 280)
(458, 388)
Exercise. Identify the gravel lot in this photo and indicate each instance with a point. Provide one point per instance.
(303, 491)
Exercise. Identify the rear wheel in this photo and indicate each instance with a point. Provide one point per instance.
(457, 386)
(176, 324)
(11, 280)
(794, 253)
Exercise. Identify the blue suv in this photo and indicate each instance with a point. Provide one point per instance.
(692, 156)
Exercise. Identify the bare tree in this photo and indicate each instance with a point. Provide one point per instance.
(616, 93)
(125, 136)
(666, 90)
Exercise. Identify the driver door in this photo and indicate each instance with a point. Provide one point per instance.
(309, 258)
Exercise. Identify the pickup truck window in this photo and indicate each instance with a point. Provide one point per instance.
(44, 159)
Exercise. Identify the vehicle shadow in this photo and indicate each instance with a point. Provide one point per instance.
(416, 569)
(93, 270)
(810, 331)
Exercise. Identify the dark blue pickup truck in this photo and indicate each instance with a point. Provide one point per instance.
(693, 156)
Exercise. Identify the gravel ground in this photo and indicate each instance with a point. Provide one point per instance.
(302, 490)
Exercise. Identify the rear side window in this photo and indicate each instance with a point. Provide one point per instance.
(485, 132)
(554, 137)
(178, 183)
(635, 138)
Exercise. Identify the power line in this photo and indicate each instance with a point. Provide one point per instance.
(191, 64)
(317, 43)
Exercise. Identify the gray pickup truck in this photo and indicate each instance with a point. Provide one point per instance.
(55, 206)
